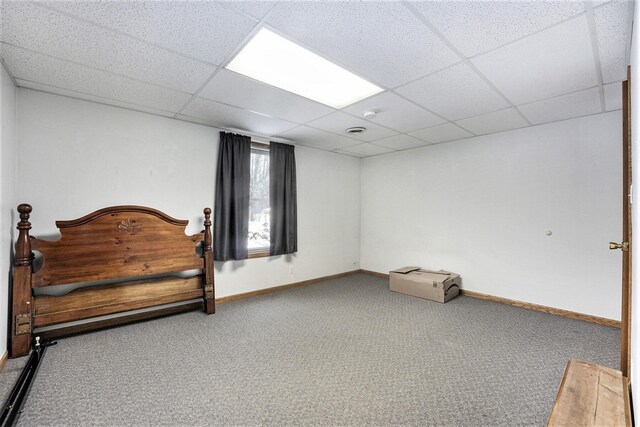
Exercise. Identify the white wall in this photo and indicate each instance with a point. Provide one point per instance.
(76, 157)
(7, 195)
(481, 207)
(635, 215)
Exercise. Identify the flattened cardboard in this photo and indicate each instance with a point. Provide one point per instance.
(440, 286)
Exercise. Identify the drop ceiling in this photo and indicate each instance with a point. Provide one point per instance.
(450, 69)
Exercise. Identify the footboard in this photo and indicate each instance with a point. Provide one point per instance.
(117, 245)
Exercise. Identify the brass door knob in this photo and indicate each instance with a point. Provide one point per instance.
(624, 246)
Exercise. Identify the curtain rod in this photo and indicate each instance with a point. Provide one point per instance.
(259, 145)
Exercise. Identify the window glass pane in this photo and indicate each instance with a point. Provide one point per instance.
(259, 220)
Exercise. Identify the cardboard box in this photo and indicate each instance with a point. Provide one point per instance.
(440, 286)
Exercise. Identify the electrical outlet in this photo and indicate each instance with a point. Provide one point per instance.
(291, 269)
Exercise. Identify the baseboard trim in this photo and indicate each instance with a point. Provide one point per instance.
(375, 273)
(3, 360)
(529, 306)
(282, 287)
(543, 308)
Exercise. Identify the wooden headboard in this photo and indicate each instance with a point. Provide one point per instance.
(119, 244)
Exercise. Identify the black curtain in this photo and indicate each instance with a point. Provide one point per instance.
(231, 213)
(283, 199)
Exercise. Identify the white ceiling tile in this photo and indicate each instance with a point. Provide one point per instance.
(455, 93)
(401, 142)
(563, 107)
(202, 29)
(347, 153)
(45, 31)
(478, 26)
(613, 96)
(236, 118)
(441, 133)
(82, 51)
(311, 137)
(34, 67)
(366, 149)
(92, 98)
(550, 63)
(256, 9)
(497, 121)
(613, 32)
(203, 122)
(382, 41)
(232, 88)
(395, 112)
(338, 122)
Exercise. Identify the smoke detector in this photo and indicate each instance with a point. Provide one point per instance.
(356, 130)
(369, 115)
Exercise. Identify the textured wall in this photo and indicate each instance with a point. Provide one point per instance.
(481, 207)
(7, 194)
(78, 156)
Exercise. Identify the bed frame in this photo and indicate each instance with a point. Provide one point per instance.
(119, 244)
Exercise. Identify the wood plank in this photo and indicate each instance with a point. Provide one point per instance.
(3, 360)
(78, 329)
(21, 288)
(591, 396)
(529, 306)
(610, 409)
(94, 301)
(20, 343)
(208, 294)
(116, 321)
(123, 243)
(122, 208)
(625, 329)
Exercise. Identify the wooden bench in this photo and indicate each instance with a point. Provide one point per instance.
(591, 395)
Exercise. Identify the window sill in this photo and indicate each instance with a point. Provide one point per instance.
(259, 254)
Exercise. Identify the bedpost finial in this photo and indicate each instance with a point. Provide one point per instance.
(25, 210)
(207, 230)
(23, 244)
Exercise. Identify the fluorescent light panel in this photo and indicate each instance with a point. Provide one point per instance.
(274, 60)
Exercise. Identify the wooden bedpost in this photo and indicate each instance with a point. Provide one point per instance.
(21, 294)
(207, 253)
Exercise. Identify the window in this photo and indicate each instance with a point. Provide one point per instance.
(259, 219)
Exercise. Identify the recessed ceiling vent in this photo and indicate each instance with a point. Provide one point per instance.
(356, 130)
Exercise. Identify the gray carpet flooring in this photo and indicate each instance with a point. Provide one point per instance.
(342, 352)
(10, 375)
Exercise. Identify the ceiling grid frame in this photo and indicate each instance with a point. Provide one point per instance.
(533, 33)
(591, 21)
(346, 67)
(91, 67)
(122, 33)
(445, 40)
(260, 23)
(560, 96)
(228, 59)
(627, 50)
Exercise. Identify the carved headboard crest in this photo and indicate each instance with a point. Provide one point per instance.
(118, 241)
